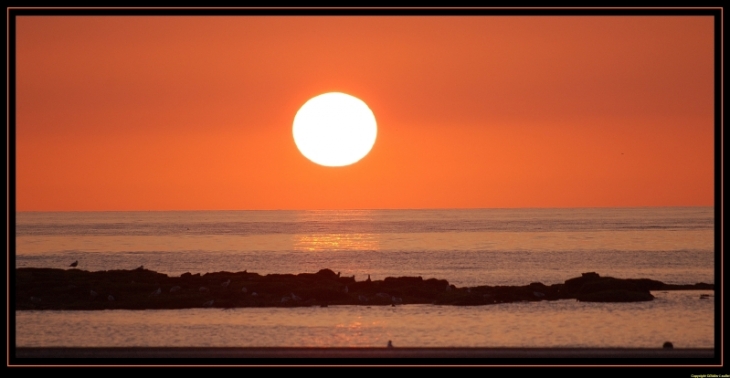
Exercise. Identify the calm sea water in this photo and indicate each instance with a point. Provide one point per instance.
(466, 247)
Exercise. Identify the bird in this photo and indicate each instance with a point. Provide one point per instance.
(390, 344)
(225, 284)
(74, 264)
(208, 304)
(368, 280)
(157, 292)
(295, 297)
(141, 267)
(668, 345)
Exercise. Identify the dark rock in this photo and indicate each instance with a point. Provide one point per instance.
(70, 290)
(616, 296)
(327, 273)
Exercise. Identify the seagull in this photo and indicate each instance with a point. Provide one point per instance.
(294, 297)
(157, 292)
(225, 284)
(368, 280)
(74, 264)
(390, 344)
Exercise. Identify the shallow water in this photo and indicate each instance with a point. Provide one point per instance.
(676, 316)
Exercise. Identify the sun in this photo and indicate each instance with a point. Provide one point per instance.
(334, 129)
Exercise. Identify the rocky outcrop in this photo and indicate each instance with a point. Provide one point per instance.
(73, 289)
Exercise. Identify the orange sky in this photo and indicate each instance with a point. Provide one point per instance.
(195, 113)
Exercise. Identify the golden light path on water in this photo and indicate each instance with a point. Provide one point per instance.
(466, 241)
(336, 242)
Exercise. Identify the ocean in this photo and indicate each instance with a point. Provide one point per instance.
(468, 247)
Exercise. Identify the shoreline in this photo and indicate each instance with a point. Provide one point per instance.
(417, 353)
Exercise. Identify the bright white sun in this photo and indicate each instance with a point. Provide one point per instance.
(334, 129)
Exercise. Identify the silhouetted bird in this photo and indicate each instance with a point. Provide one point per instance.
(74, 264)
(390, 344)
(668, 345)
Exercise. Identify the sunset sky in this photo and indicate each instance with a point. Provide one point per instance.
(195, 113)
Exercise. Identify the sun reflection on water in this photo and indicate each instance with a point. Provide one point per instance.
(336, 242)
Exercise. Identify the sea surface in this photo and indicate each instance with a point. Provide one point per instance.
(466, 247)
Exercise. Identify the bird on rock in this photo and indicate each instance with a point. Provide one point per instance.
(74, 264)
